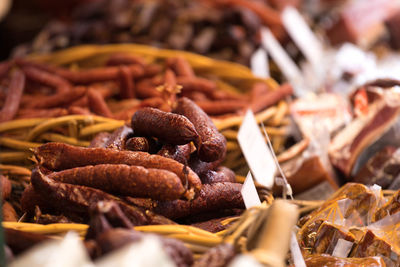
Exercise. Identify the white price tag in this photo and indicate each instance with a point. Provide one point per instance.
(282, 59)
(302, 35)
(256, 152)
(249, 192)
(259, 63)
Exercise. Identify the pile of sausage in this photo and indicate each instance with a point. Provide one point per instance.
(32, 90)
(223, 29)
(165, 167)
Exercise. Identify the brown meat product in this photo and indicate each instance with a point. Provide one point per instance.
(212, 197)
(58, 99)
(105, 216)
(221, 107)
(97, 104)
(394, 31)
(304, 174)
(382, 169)
(212, 144)
(222, 175)
(197, 84)
(153, 102)
(144, 144)
(218, 256)
(98, 74)
(4, 68)
(146, 89)
(43, 77)
(20, 241)
(100, 140)
(127, 87)
(168, 127)
(151, 70)
(383, 82)
(180, 66)
(201, 167)
(5, 186)
(353, 25)
(117, 238)
(75, 110)
(120, 179)
(330, 261)
(41, 218)
(258, 89)
(59, 156)
(9, 213)
(213, 225)
(327, 237)
(30, 199)
(349, 143)
(371, 245)
(13, 98)
(118, 138)
(179, 153)
(271, 98)
(41, 113)
(125, 59)
(389, 208)
(78, 199)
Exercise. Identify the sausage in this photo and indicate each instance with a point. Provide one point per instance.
(221, 107)
(125, 59)
(30, 199)
(118, 138)
(178, 153)
(59, 156)
(212, 197)
(42, 113)
(127, 89)
(212, 144)
(5, 186)
(115, 239)
(271, 98)
(180, 66)
(200, 167)
(220, 255)
(197, 84)
(78, 198)
(78, 110)
(9, 213)
(168, 127)
(100, 140)
(20, 241)
(13, 97)
(98, 74)
(97, 104)
(4, 68)
(50, 79)
(144, 144)
(121, 179)
(58, 99)
(222, 174)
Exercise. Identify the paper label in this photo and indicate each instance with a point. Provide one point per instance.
(256, 152)
(302, 35)
(249, 192)
(259, 63)
(281, 58)
(342, 248)
(298, 259)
